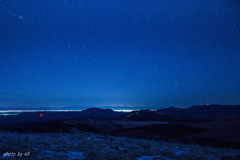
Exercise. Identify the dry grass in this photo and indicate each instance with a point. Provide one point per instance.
(64, 146)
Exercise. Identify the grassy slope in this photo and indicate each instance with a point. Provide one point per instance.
(80, 145)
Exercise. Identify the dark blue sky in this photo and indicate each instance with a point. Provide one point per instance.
(56, 53)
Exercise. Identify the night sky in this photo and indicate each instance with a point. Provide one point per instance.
(63, 53)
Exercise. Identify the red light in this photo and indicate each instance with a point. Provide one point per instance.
(41, 115)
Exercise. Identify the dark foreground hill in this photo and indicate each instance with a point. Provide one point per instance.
(207, 133)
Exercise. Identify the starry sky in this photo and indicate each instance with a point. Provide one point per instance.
(59, 53)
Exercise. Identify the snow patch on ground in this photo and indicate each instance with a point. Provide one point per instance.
(154, 157)
(71, 155)
(75, 155)
(121, 149)
(178, 153)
